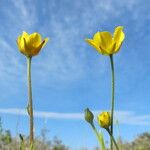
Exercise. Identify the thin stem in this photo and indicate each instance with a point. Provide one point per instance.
(30, 105)
(113, 139)
(113, 96)
(101, 142)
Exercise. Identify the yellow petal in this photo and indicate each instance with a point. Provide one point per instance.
(97, 38)
(20, 41)
(119, 35)
(45, 41)
(117, 47)
(35, 51)
(25, 34)
(111, 49)
(21, 44)
(106, 40)
(34, 40)
(26, 51)
(93, 43)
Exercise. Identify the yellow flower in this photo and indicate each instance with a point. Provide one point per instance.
(106, 43)
(104, 119)
(30, 44)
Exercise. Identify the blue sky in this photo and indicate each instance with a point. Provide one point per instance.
(69, 75)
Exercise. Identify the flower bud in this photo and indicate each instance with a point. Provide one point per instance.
(88, 115)
(104, 120)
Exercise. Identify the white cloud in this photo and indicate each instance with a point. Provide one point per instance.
(124, 117)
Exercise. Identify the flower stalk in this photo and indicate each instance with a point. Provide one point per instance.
(113, 139)
(30, 45)
(108, 44)
(89, 117)
(113, 98)
(100, 139)
(30, 103)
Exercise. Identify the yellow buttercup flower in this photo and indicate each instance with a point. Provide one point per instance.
(104, 119)
(30, 44)
(106, 43)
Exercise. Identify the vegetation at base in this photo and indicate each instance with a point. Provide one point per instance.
(8, 142)
(141, 142)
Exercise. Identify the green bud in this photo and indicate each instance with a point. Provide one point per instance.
(88, 115)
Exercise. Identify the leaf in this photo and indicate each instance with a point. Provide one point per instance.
(102, 141)
(32, 147)
(22, 144)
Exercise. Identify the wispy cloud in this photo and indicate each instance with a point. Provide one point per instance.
(66, 57)
(9, 69)
(124, 117)
(26, 12)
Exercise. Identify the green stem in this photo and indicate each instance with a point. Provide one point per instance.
(30, 105)
(113, 96)
(113, 139)
(101, 141)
